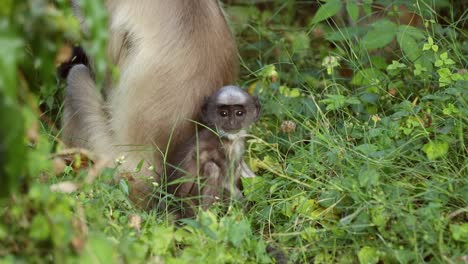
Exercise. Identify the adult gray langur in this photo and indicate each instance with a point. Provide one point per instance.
(170, 55)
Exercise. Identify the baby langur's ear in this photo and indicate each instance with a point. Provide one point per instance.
(258, 108)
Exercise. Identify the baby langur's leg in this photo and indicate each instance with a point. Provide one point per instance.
(212, 185)
(245, 171)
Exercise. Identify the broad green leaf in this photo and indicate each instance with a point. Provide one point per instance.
(238, 231)
(368, 76)
(415, 33)
(379, 216)
(435, 150)
(40, 228)
(345, 33)
(368, 177)
(327, 10)
(368, 255)
(460, 232)
(381, 34)
(444, 56)
(96, 22)
(9, 53)
(353, 9)
(98, 249)
(13, 153)
(162, 239)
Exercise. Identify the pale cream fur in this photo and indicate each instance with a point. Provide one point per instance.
(170, 54)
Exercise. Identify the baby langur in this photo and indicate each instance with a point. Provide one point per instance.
(210, 164)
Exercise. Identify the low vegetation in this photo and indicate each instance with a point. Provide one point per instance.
(360, 152)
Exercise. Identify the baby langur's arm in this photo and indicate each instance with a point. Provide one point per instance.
(245, 171)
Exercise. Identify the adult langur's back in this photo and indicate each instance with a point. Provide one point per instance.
(170, 54)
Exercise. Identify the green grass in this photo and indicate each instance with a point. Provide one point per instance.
(363, 162)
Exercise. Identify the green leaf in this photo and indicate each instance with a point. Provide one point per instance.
(334, 101)
(162, 239)
(345, 33)
(368, 76)
(124, 186)
(444, 56)
(327, 10)
(460, 232)
(368, 255)
(379, 216)
(435, 149)
(139, 166)
(40, 228)
(396, 65)
(449, 62)
(98, 250)
(430, 41)
(353, 10)
(12, 148)
(382, 33)
(426, 46)
(11, 46)
(438, 63)
(368, 177)
(238, 232)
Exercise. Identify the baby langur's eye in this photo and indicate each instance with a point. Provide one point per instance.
(239, 113)
(223, 113)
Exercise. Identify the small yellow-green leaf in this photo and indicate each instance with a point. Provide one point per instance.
(435, 149)
(368, 255)
(444, 56)
(438, 63)
(460, 232)
(427, 46)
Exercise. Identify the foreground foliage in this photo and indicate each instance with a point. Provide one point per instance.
(360, 153)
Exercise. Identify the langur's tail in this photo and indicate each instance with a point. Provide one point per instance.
(85, 123)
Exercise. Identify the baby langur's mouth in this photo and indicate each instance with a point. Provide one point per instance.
(232, 130)
(228, 132)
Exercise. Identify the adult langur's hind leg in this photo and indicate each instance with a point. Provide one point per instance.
(85, 125)
(84, 122)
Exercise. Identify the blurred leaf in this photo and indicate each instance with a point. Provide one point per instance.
(368, 176)
(435, 149)
(98, 250)
(353, 9)
(368, 76)
(238, 232)
(368, 255)
(382, 33)
(460, 232)
(95, 23)
(10, 54)
(163, 237)
(327, 10)
(40, 228)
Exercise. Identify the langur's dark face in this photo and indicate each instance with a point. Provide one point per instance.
(230, 110)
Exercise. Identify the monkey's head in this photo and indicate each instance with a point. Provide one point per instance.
(230, 110)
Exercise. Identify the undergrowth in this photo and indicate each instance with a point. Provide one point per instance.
(360, 152)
